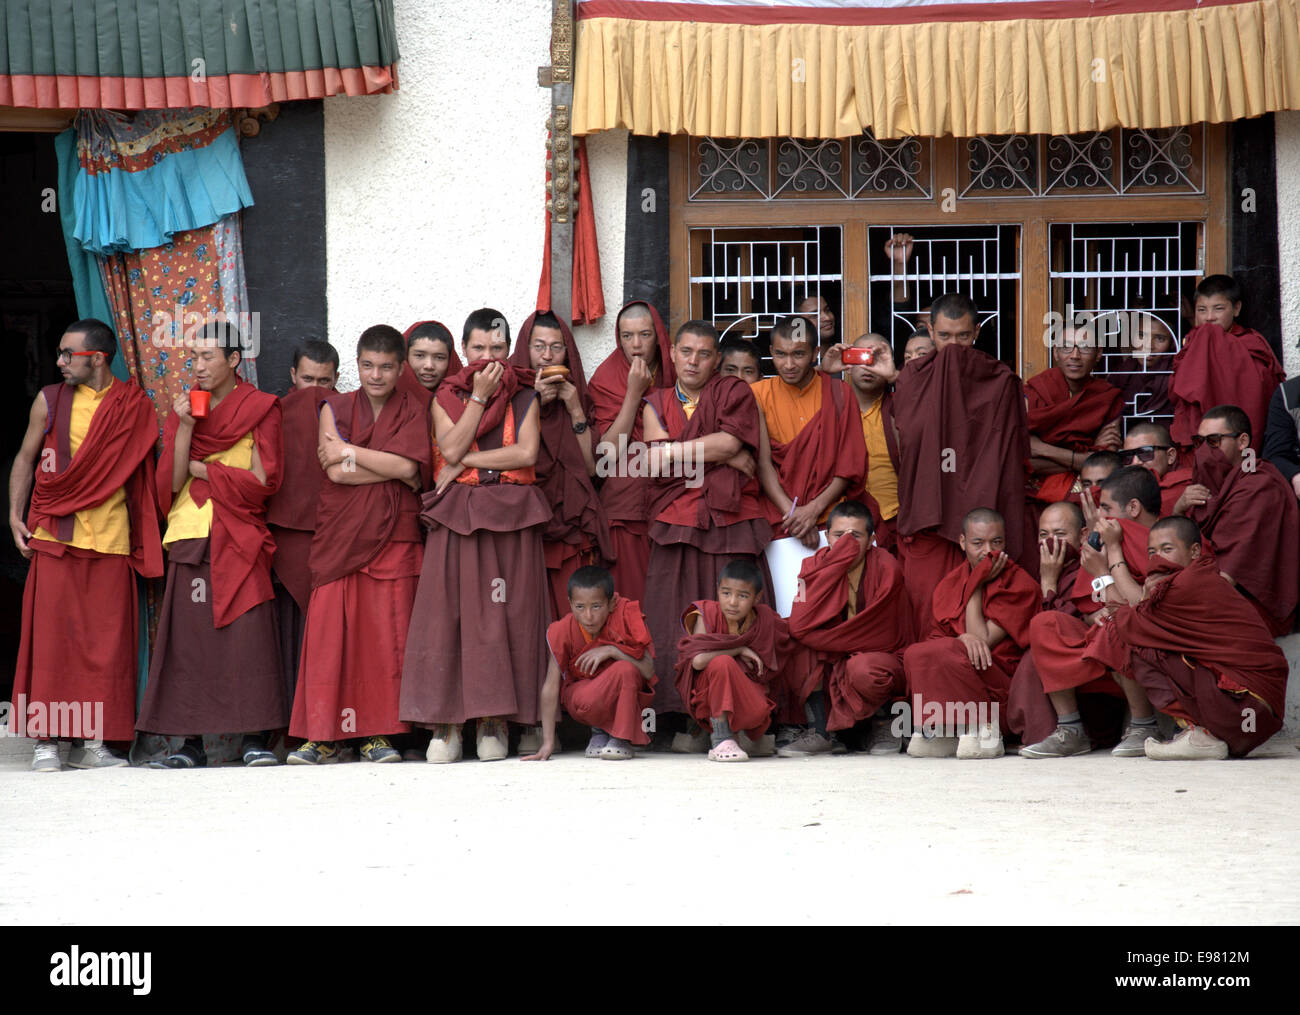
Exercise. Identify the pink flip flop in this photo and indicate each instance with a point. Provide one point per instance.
(728, 750)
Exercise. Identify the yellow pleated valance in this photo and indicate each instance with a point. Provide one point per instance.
(742, 69)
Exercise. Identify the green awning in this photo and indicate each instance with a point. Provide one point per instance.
(157, 54)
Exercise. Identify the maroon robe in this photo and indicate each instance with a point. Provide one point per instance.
(93, 661)
(291, 512)
(1253, 522)
(1173, 484)
(732, 685)
(625, 497)
(615, 697)
(1065, 420)
(365, 562)
(858, 659)
(1215, 367)
(939, 671)
(578, 532)
(697, 530)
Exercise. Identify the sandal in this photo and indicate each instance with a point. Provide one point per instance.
(598, 742)
(616, 750)
(728, 750)
(186, 757)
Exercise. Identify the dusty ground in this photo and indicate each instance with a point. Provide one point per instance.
(853, 839)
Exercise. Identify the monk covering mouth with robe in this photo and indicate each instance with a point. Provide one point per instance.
(480, 614)
(959, 678)
(1151, 446)
(733, 649)
(1110, 575)
(365, 560)
(577, 535)
(641, 362)
(291, 513)
(216, 658)
(962, 436)
(705, 505)
(814, 451)
(1222, 363)
(93, 520)
(601, 668)
(1199, 651)
(1070, 413)
(1251, 517)
(1061, 531)
(855, 617)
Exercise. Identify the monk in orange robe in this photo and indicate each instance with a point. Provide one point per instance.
(1151, 446)
(1070, 413)
(853, 614)
(601, 669)
(959, 678)
(1110, 574)
(92, 525)
(814, 450)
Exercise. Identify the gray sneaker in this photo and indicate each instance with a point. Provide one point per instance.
(809, 744)
(95, 755)
(1133, 743)
(882, 740)
(1064, 742)
(46, 757)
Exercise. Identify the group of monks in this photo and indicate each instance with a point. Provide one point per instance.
(482, 534)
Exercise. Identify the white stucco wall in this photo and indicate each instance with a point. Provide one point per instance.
(1287, 126)
(434, 194)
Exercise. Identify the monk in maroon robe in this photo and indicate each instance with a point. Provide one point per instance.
(577, 535)
(1222, 363)
(853, 613)
(959, 678)
(480, 611)
(1198, 650)
(1109, 575)
(705, 504)
(291, 513)
(430, 357)
(216, 659)
(1251, 517)
(92, 525)
(1030, 715)
(1151, 446)
(641, 362)
(814, 452)
(601, 669)
(1070, 414)
(962, 435)
(733, 650)
(365, 559)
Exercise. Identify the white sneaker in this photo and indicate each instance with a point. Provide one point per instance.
(445, 747)
(530, 742)
(763, 747)
(46, 757)
(1195, 743)
(491, 740)
(984, 743)
(95, 755)
(931, 747)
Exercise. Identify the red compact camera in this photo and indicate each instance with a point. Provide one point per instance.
(856, 357)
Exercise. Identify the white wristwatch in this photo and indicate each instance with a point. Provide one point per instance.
(1100, 585)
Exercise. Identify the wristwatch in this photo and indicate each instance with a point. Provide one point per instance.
(1100, 585)
(580, 427)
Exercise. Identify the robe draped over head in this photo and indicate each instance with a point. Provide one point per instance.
(1253, 521)
(831, 445)
(1133, 547)
(579, 517)
(241, 544)
(408, 382)
(1010, 600)
(964, 443)
(1215, 367)
(116, 453)
(1197, 614)
(883, 621)
(355, 523)
(726, 405)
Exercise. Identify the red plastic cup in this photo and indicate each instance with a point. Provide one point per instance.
(199, 402)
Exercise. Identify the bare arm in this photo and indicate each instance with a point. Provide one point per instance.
(550, 705)
(520, 455)
(714, 447)
(23, 474)
(768, 478)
